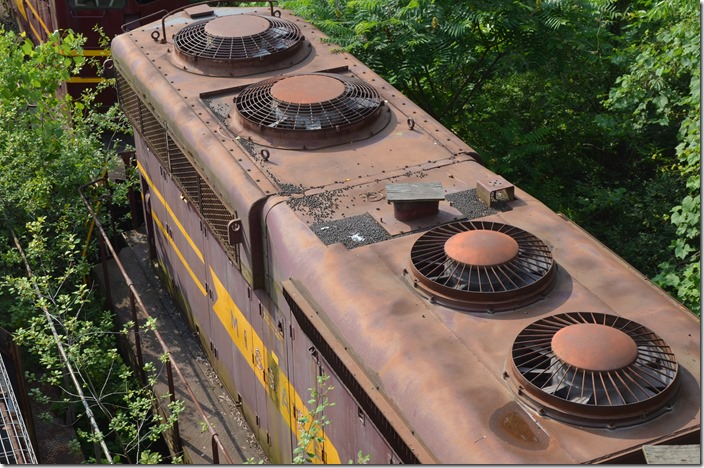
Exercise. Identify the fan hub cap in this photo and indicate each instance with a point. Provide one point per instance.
(237, 26)
(481, 248)
(307, 89)
(594, 347)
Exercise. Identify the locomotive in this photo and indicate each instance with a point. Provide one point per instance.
(312, 221)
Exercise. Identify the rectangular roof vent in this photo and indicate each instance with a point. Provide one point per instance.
(415, 200)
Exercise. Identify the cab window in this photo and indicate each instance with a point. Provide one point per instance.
(96, 4)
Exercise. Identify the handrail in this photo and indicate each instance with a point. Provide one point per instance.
(136, 300)
(163, 19)
(142, 18)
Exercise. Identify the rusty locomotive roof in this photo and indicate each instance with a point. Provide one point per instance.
(325, 189)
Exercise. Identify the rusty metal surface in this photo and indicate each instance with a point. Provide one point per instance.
(307, 89)
(481, 248)
(451, 356)
(583, 345)
(237, 26)
(445, 370)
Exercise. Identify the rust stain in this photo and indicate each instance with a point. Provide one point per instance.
(513, 425)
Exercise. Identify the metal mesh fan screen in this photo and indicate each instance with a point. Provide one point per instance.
(356, 102)
(594, 368)
(481, 265)
(238, 45)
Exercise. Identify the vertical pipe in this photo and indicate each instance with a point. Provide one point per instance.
(104, 262)
(137, 337)
(216, 454)
(172, 393)
(113, 228)
(128, 160)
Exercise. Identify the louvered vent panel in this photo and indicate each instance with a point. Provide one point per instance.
(218, 217)
(154, 134)
(128, 101)
(143, 119)
(184, 173)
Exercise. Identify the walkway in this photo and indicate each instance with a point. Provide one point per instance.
(234, 433)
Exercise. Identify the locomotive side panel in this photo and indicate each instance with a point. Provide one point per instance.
(231, 331)
(186, 238)
(363, 420)
(352, 429)
(243, 341)
(221, 317)
(275, 331)
(178, 243)
(305, 370)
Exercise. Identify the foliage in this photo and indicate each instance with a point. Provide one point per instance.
(312, 424)
(50, 145)
(85, 331)
(661, 91)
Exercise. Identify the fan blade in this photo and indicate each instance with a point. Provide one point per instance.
(582, 400)
(552, 389)
(527, 370)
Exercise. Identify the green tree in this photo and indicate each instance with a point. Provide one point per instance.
(660, 96)
(50, 145)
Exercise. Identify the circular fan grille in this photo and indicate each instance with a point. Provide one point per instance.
(482, 266)
(594, 369)
(238, 45)
(311, 110)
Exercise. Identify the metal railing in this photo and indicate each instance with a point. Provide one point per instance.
(135, 305)
(15, 443)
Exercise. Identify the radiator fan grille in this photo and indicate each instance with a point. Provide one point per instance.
(311, 110)
(482, 266)
(239, 45)
(594, 369)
